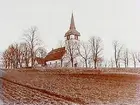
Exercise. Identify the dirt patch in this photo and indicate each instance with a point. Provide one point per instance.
(92, 88)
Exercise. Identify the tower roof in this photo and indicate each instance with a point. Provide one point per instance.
(72, 24)
(72, 30)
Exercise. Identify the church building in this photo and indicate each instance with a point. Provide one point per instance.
(66, 56)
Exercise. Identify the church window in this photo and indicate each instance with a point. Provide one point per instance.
(76, 37)
(68, 37)
(72, 37)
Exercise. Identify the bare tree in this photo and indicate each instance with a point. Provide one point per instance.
(24, 54)
(117, 53)
(134, 58)
(32, 40)
(60, 45)
(11, 56)
(96, 49)
(16, 56)
(72, 51)
(41, 52)
(111, 63)
(125, 57)
(84, 51)
(5, 59)
(1, 60)
(137, 57)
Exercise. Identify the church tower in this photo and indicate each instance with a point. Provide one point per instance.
(72, 33)
(72, 41)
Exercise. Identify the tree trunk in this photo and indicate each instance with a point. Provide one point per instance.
(116, 63)
(95, 64)
(72, 62)
(86, 63)
(134, 64)
(125, 64)
(61, 62)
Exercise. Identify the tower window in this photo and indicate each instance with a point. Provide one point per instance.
(68, 37)
(72, 37)
(76, 37)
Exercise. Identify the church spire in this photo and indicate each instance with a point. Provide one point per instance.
(72, 24)
(72, 29)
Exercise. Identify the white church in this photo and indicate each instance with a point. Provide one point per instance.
(66, 56)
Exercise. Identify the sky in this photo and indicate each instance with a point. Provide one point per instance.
(109, 19)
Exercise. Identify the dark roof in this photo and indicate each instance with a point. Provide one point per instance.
(55, 54)
(40, 60)
(72, 30)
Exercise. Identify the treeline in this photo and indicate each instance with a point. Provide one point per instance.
(91, 53)
(23, 54)
(122, 57)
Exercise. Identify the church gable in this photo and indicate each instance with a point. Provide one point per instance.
(55, 54)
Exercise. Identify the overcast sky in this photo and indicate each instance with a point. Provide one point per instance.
(108, 19)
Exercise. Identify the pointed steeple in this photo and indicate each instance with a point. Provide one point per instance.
(72, 24)
(72, 29)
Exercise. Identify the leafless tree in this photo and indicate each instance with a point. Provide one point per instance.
(134, 58)
(125, 57)
(117, 53)
(5, 59)
(60, 45)
(90, 61)
(16, 56)
(11, 56)
(137, 57)
(1, 60)
(32, 40)
(84, 51)
(72, 51)
(111, 63)
(24, 54)
(41, 52)
(96, 50)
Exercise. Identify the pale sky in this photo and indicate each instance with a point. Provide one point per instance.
(108, 19)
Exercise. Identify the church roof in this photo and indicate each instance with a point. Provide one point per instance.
(72, 24)
(55, 54)
(72, 30)
(40, 60)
